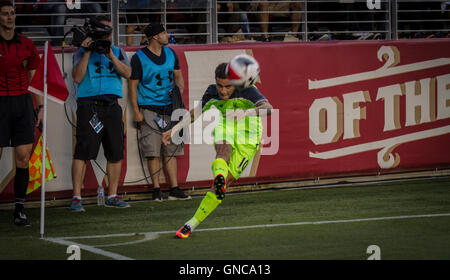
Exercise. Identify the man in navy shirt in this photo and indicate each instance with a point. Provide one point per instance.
(155, 73)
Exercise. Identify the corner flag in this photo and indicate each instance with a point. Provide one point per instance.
(56, 86)
(47, 81)
(35, 167)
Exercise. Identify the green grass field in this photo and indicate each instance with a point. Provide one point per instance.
(282, 220)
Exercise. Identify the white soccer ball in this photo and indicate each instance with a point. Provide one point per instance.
(243, 71)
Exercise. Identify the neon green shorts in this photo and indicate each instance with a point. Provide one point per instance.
(244, 137)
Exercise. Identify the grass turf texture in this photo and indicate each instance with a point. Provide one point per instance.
(417, 238)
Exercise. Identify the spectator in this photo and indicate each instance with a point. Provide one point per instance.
(98, 75)
(360, 22)
(58, 21)
(265, 16)
(22, 7)
(445, 12)
(197, 17)
(18, 59)
(245, 26)
(155, 73)
(230, 12)
(419, 19)
(318, 16)
(140, 13)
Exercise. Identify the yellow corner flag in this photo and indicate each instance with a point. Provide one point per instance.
(35, 167)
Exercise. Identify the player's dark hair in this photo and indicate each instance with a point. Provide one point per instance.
(6, 3)
(221, 71)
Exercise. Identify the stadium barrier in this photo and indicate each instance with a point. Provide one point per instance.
(343, 109)
(213, 21)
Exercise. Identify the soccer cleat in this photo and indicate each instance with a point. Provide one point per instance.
(219, 185)
(183, 232)
(177, 194)
(76, 206)
(116, 202)
(20, 219)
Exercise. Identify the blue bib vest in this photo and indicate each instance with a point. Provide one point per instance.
(157, 80)
(101, 77)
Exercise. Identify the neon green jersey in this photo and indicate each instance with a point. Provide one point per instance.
(243, 99)
(245, 135)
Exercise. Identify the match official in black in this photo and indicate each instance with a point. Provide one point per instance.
(18, 61)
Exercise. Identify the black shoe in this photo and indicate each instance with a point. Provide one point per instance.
(157, 195)
(177, 194)
(219, 184)
(20, 219)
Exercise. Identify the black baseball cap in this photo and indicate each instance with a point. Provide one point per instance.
(154, 28)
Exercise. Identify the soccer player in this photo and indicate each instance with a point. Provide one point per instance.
(237, 137)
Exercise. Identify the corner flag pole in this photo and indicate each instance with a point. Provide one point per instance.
(44, 144)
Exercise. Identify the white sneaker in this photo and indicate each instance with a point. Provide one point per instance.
(324, 37)
(290, 38)
(366, 36)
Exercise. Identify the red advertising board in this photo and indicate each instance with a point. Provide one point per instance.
(358, 108)
(341, 109)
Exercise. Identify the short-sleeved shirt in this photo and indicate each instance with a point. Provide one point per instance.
(246, 130)
(244, 136)
(247, 98)
(106, 97)
(136, 66)
(136, 74)
(17, 57)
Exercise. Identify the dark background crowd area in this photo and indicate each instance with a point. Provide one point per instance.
(188, 20)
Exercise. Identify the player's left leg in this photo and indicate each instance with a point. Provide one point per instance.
(238, 161)
(215, 195)
(220, 168)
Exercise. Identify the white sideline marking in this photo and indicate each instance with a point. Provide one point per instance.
(153, 235)
(329, 222)
(147, 237)
(91, 249)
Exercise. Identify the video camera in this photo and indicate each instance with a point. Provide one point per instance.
(95, 30)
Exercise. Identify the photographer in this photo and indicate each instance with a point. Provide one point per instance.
(98, 68)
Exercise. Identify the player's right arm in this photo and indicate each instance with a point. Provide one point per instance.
(189, 118)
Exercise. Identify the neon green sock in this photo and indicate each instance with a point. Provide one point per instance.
(219, 166)
(210, 201)
(208, 204)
